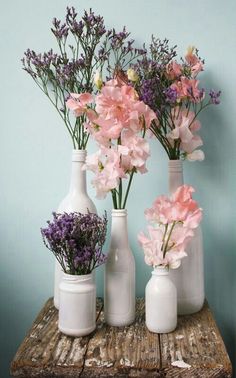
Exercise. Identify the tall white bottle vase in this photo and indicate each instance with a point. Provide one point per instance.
(119, 295)
(77, 200)
(189, 277)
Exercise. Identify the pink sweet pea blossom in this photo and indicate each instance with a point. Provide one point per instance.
(174, 220)
(78, 103)
(195, 63)
(197, 155)
(188, 89)
(185, 126)
(105, 163)
(118, 108)
(173, 70)
(135, 152)
(118, 123)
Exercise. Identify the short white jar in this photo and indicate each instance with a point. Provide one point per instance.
(77, 305)
(161, 302)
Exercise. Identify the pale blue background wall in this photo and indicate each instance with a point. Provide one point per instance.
(35, 155)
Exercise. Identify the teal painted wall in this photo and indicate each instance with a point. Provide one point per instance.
(35, 155)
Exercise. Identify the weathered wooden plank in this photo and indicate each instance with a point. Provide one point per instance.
(46, 352)
(124, 350)
(197, 342)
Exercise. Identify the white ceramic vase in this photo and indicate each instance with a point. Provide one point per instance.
(77, 200)
(161, 302)
(189, 277)
(77, 312)
(119, 291)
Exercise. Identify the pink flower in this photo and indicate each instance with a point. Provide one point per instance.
(118, 108)
(116, 124)
(135, 151)
(195, 63)
(174, 220)
(105, 163)
(79, 102)
(185, 125)
(188, 89)
(197, 155)
(173, 70)
(153, 250)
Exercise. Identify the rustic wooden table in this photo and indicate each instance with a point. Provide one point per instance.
(123, 352)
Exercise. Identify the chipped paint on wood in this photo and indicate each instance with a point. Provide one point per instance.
(130, 351)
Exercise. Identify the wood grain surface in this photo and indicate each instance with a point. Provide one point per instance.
(130, 351)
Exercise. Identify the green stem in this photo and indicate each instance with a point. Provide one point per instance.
(120, 194)
(127, 190)
(113, 193)
(163, 239)
(168, 239)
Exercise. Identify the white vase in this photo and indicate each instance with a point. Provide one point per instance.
(77, 200)
(189, 277)
(77, 312)
(161, 302)
(119, 291)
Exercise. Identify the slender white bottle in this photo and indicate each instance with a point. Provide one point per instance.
(161, 302)
(189, 277)
(119, 295)
(77, 200)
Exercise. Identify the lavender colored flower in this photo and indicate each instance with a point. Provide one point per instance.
(170, 89)
(84, 47)
(76, 240)
(214, 97)
(171, 95)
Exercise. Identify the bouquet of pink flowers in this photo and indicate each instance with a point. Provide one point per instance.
(118, 121)
(173, 222)
(172, 89)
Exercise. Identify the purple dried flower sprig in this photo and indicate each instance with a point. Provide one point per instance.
(84, 47)
(170, 88)
(76, 240)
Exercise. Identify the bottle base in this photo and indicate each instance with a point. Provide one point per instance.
(161, 329)
(56, 303)
(186, 308)
(114, 322)
(76, 332)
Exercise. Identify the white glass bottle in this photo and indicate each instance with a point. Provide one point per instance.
(119, 291)
(77, 200)
(77, 312)
(189, 277)
(161, 302)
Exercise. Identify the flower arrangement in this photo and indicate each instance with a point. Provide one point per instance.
(85, 49)
(172, 90)
(118, 122)
(173, 222)
(76, 240)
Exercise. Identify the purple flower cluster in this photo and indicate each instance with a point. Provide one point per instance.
(76, 240)
(171, 95)
(84, 46)
(149, 93)
(170, 88)
(215, 96)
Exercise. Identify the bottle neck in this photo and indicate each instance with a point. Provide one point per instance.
(73, 278)
(78, 175)
(160, 271)
(176, 178)
(119, 229)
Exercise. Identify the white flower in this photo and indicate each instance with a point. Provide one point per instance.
(132, 75)
(98, 80)
(196, 155)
